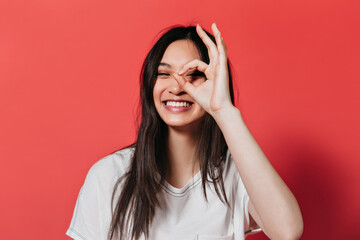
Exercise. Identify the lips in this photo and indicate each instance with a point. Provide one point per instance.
(177, 105)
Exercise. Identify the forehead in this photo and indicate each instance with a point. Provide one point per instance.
(180, 52)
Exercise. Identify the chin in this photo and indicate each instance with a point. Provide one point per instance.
(185, 125)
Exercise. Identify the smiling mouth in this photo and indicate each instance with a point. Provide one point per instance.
(178, 103)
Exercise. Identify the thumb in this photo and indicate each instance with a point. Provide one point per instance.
(184, 84)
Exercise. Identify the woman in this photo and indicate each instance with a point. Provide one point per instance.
(195, 171)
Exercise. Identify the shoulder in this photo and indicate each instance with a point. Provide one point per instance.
(108, 169)
(119, 160)
(92, 212)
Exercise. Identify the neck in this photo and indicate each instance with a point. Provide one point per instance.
(181, 152)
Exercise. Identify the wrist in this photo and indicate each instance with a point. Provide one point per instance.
(226, 114)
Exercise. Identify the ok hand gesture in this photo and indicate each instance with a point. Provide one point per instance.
(213, 95)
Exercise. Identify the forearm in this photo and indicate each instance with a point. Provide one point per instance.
(273, 201)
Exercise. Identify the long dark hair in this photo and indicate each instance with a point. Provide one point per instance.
(136, 206)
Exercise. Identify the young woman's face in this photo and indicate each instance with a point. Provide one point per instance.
(174, 105)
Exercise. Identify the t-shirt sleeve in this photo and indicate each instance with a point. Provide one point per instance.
(247, 228)
(92, 215)
(241, 202)
(86, 221)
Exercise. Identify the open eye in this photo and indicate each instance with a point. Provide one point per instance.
(195, 75)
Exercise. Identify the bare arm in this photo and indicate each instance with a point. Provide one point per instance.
(272, 205)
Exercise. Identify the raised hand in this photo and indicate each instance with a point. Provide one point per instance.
(213, 95)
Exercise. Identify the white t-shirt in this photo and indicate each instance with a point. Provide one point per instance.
(184, 213)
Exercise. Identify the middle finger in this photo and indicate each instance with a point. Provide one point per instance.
(212, 49)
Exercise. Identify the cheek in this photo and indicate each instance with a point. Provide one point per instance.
(157, 91)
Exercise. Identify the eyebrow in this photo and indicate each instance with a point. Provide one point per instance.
(165, 65)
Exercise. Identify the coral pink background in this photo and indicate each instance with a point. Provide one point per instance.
(69, 88)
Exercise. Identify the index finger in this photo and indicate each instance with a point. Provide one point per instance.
(184, 84)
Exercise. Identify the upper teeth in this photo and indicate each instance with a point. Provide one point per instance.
(177, 104)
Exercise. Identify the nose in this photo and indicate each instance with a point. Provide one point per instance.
(174, 87)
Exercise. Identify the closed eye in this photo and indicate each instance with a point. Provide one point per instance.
(163, 75)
